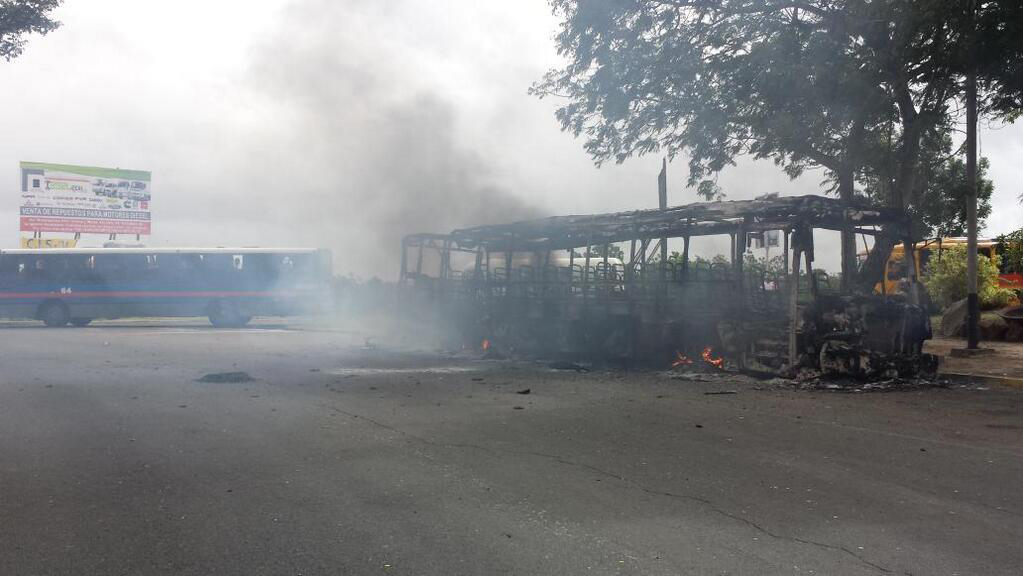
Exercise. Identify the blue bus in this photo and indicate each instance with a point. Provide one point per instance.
(228, 285)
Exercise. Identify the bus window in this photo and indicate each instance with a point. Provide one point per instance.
(303, 264)
(84, 269)
(140, 267)
(260, 265)
(172, 264)
(135, 263)
(78, 268)
(190, 262)
(218, 262)
(109, 267)
(9, 265)
(44, 268)
(11, 268)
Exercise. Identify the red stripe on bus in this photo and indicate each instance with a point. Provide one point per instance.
(123, 294)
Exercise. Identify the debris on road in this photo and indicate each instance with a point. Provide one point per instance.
(856, 385)
(226, 377)
(525, 391)
(561, 365)
(492, 353)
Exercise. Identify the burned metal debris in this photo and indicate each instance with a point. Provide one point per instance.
(539, 288)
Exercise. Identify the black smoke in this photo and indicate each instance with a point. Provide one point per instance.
(365, 148)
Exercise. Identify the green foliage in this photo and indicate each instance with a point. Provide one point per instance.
(675, 257)
(770, 268)
(710, 191)
(939, 197)
(1011, 248)
(864, 89)
(945, 279)
(19, 18)
(999, 57)
(715, 80)
(598, 251)
(940, 206)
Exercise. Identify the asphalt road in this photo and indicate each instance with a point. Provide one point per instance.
(347, 458)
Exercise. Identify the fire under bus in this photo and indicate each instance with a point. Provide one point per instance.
(539, 288)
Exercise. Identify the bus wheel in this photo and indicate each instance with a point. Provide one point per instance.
(54, 314)
(79, 322)
(226, 315)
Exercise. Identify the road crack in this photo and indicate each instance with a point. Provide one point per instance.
(622, 479)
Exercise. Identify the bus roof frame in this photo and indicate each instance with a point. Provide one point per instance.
(199, 250)
(697, 219)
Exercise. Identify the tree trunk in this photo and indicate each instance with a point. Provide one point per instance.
(873, 269)
(846, 191)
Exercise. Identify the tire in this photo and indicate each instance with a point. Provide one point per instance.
(226, 315)
(79, 322)
(54, 314)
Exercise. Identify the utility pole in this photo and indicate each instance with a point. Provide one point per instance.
(662, 203)
(972, 304)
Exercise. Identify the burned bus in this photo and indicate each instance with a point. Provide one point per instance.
(539, 288)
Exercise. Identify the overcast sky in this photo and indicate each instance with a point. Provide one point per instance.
(337, 123)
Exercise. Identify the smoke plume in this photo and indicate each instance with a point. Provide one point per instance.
(363, 144)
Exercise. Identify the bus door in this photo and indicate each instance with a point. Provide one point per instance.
(117, 277)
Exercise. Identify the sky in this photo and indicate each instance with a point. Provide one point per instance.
(340, 123)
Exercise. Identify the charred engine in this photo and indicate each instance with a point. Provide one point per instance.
(869, 337)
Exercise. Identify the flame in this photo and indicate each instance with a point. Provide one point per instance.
(486, 345)
(707, 356)
(681, 360)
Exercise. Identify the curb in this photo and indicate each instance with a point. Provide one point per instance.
(1005, 381)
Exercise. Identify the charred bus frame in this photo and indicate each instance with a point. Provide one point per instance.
(644, 308)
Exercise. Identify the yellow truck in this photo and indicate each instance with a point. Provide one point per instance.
(895, 270)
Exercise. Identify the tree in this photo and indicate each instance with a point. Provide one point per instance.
(847, 86)
(1011, 248)
(19, 18)
(944, 279)
(997, 56)
(939, 206)
(710, 191)
(803, 83)
(949, 41)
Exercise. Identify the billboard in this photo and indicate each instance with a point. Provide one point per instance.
(38, 243)
(84, 199)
